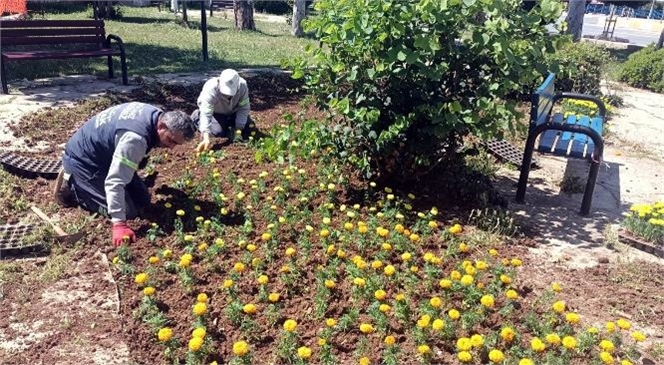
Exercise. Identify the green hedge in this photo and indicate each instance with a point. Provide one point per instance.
(645, 69)
(582, 67)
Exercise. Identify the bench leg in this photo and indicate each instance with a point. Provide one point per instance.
(110, 67)
(3, 76)
(525, 168)
(590, 188)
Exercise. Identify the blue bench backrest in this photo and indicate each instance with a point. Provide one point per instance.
(542, 101)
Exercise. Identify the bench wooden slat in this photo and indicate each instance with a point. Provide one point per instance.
(31, 33)
(565, 138)
(547, 139)
(50, 23)
(544, 98)
(48, 55)
(597, 124)
(584, 121)
(22, 41)
(579, 143)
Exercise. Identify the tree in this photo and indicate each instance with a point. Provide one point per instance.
(660, 42)
(405, 81)
(244, 14)
(575, 14)
(299, 7)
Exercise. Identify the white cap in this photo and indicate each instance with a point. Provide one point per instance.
(229, 81)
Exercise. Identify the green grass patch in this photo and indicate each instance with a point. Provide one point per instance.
(157, 42)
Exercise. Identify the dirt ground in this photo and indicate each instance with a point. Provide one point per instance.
(67, 308)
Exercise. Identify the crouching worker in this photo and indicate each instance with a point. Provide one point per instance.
(100, 161)
(223, 109)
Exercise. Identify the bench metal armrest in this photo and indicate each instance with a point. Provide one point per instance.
(577, 96)
(118, 40)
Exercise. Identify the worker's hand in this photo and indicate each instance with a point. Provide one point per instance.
(122, 233)
(204, 145)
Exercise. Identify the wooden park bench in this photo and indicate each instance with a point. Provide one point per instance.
(569, 136)
(57, 39)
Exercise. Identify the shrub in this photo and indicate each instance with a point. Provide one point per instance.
(407, 79)
(273, 7)
(645, 69)
(582, 67)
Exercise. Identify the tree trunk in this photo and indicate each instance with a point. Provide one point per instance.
(175, 7)
(299, 7)
(184, 12)
(660, 43)
(575, 13)
(244, 15)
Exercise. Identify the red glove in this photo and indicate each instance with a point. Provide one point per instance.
(122, 231)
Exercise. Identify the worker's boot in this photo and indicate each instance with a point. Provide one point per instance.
(62, 193)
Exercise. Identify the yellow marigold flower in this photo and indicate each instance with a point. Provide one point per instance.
(148, 290)
(438, 324)
(195, 344)
(399, 228)
(326, 220)
(559, 306)
(304, 352)
(331, 249)
(330, 284)
(456, 229)
(464, 344)
(463, 247)
(414, 269)
(202, 246)
(309, 228)
(364, 361)
(638, 336)
(380, 294)
(240, 348)
(200, 309)
(165, 334)
(263, 279)
(251, 247)
(400, 297)
(553, 339)
(179, 212)
(376, 264)
(481, 265)
(389, 270)
(330, 322)
(496, 356)
(249, 308)
(168, 205)
(341, 253)
(465, 356)
(470, 269)
(266, 236)
(569, 342)
(537, 345)
(556, 287)
(188, 238)
(423, 322)
(606, 345)
(201, 298)
(572, 318)
(359, 282)
(610, 327)
(167, 254)
(511, 294)
(406, 256)
(526, 361)
(606, 358)
(487, 300)
(493, 252)
(273, 297)
(290, 325)
(505, 262)
(239, 267)
(445, 283)
(366, 328)
(454, 314)
(141, 278)
(433, 224)
(390, 340)
(324, 233)
(623, 324)
(423, 349)
(322, 342)
(516, 262)
(199, 332)
(505, 279)
(477, 340)
(384, 308)
(455, 275)
(436, 302)
(362, 229)
(386, 247)
(153, 260)
(467, 280)
(625, 362)
(184, 263)
(414, 237)
(592, 330)
(228, 283)
(507, 334)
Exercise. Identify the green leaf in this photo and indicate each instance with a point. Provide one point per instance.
(297, 74)
(371, 73)
(469, 3)
(401, 56)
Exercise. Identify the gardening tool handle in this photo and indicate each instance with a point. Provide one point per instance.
(59, 231)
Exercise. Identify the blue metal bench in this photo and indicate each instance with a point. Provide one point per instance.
(571, 136)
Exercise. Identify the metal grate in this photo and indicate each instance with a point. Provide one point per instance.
(505, 151)
(12, 238)
(30, 166)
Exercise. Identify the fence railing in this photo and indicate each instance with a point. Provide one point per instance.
(625, 11)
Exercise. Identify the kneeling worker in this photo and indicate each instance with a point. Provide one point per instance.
(100, 161)
(223, 108)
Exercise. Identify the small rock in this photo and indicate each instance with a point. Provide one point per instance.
(603, 260)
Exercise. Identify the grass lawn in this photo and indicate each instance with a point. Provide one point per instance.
(156, 43)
